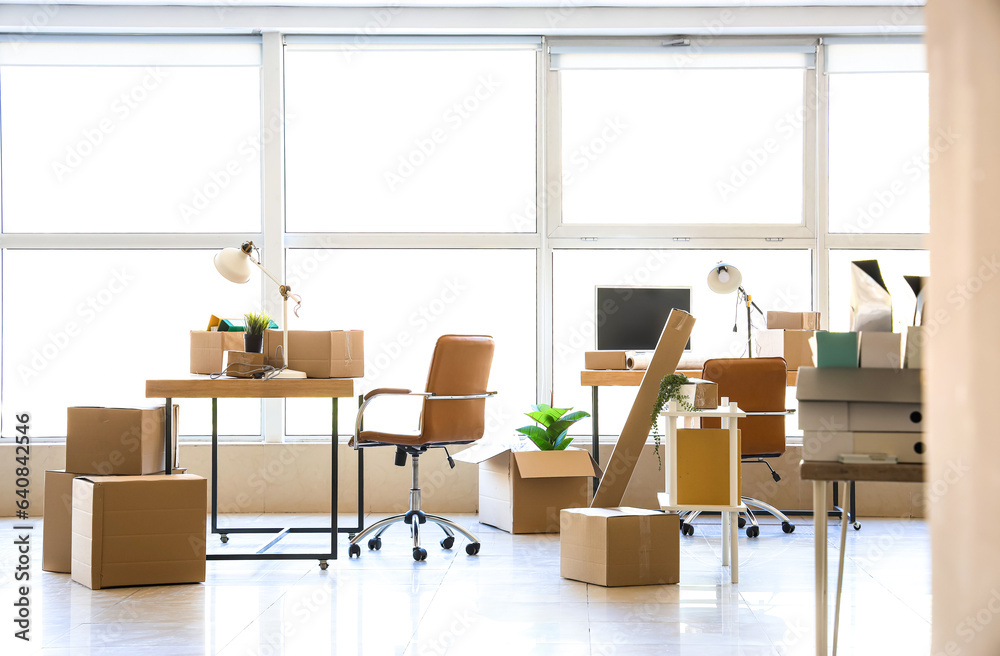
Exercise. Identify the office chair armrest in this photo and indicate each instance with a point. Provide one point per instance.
(386, 390)
(783, 413)
(436, 397)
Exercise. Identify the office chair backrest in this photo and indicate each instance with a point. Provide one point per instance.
(757, 385)
(460, 365)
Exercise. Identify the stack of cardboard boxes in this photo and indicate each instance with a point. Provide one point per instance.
(863, 400)
(787, 336)
(113, 517)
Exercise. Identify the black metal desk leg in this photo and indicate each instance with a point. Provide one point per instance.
(168, 447)
(215, 467)
(595, 432)
(334, 477)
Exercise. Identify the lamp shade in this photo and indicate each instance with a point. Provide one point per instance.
(724, 278)
(233, 264)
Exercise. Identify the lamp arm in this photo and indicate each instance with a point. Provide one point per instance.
(281, 286)
(749, 301)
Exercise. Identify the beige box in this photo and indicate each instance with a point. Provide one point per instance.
(860, 416)
(138, 530)
(241, 364)
(619, 546)
(792, 345)
(703, 466)
(117, 441)
(793, 320)
(856, 384)
(208, 348)
(826, 445)
(523, 491)
(57, 510)
(320, 353)
(913, 357)
(881, 350)
(616, 360)
(907, 447)
(706, 393)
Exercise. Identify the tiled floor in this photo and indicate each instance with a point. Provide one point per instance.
(508, 600)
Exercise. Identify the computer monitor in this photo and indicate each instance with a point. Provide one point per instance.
(632, 318)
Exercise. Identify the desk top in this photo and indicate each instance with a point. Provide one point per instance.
(204, 387)
(633, 377)
(842, 471)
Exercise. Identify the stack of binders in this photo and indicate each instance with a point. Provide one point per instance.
(854, 414)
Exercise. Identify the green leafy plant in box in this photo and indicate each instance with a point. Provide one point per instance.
(551, 434)
(670, 389)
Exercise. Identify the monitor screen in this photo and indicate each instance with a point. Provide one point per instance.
(632, 318)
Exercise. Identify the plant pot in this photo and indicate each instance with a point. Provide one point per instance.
(687, 392)
(253, 343)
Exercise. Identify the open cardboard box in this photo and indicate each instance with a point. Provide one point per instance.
(117, 441)
(320, 353)
(208, 349)
(523, 491)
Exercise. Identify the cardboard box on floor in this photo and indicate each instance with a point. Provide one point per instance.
(138, 530)
(619, 546)
(57, 509)
(792, 345)
(637, 426)
(320, 353)
(524, 491)
(208, 348)
(117, 441)
(793, 320)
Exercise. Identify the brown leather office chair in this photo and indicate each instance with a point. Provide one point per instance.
(454, 412)
(758, 387)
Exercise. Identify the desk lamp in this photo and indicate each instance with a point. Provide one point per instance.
(234, 265)
(725, 278)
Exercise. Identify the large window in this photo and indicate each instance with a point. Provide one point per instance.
(410, 135)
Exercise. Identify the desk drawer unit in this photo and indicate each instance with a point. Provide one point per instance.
(859, 416)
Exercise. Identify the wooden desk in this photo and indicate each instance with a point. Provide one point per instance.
(822, 473)
(202, 387)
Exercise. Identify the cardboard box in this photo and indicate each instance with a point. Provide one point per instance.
(619, 546)
(138, 530)
(117, 441)
(860, 416)
(792, 345)
(907, 447)
(835, 349)
(703, 466)
(524, 491)
(706, 393)
(241, 364)
(793, 320)
(320, 353)
(208, 348)
(855, 384)
(826, 446)
(630, 444)
(881, 350)
(913, 357)
(616, 360)
(57, 510)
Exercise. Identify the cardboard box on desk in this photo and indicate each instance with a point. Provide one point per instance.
(793, 320)
(138, 530)
(827, 446)
(913, 357)
(860, 416)
(208, 348)
(57, 509)
(524, 491)
(614, 360)
(706, 393)
(792, 345)
(117, 441)
(619, 546)
(320, 353)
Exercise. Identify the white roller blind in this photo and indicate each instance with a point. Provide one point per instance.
(129, 51)
(672, 57)
(882, 56)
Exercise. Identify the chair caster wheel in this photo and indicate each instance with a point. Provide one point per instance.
(857, 526)
(354, 551)
(753, 531)
(351, 536)
(787, 527)
(472, 548)
(742, 521)
(448, 542)
(687, 529)
(224, 538)
(375, 544)
(419, 553)
(323, 565)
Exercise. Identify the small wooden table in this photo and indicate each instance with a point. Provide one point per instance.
(202, 387)
(822, 473)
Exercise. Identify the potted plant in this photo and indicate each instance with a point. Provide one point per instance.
(673, 387)
(253, 334)
(551, 435)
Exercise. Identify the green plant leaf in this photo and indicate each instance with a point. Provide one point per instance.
(563, 444)
(541, 417)
(542, 443)
(576, 416)
(535, 433)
